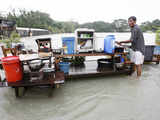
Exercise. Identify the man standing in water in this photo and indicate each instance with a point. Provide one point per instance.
(137, 45)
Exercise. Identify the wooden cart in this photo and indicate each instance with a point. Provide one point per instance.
(49, 78)
(50, 81)
(88, 72)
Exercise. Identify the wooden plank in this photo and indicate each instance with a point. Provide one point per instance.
(59, 78)
(88, 54)
(98, 74)
(26, 84)
(91, 69)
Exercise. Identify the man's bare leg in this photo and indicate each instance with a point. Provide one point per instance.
(135, 67)
(139, 70)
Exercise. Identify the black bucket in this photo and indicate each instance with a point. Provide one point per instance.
(105, 63)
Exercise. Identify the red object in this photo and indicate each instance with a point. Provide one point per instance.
(12, 68)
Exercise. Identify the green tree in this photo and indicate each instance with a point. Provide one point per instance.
(158, 37)
(120, 25)
(37, 19)
(31, 19)
(99, 26)
(155, 24)
(146, 26)
(69, 26)
(150, 26)
(14, 38)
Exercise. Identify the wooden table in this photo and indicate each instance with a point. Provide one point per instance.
(91, 73)
(31, 57)
(59, 56)
(89, 54)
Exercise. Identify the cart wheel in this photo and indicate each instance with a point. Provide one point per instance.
(17, 91)
(57, 85)
(24, 90)
(50, 91)
(20, 91)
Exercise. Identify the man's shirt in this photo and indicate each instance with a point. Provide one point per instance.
(137, 39)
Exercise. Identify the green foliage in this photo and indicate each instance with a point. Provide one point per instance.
(14, 38)
(99, 26)
(76, 61)
(34, 19)
(150, 26)
(146, 26)
(158, 37)
(69, 27)
(37, 19)
(51, 30)
(120, 25)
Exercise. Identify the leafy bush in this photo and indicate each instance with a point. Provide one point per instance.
(158, 37)
(14, 38)
(76, 61)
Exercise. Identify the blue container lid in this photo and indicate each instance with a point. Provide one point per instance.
(113, 36)
(64, 63)
(68, 38)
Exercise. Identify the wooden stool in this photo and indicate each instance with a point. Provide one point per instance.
(13, 51)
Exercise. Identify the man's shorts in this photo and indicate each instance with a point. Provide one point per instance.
(137, 57)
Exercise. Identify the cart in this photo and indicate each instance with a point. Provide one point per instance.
(92, 69)
(43, 77)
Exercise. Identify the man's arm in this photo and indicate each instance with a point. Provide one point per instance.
(126, 41)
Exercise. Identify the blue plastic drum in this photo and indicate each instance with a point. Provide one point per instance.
(109, 44)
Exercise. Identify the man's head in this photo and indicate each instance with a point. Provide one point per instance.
(132, 21)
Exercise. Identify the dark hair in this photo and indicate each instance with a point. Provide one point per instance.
(133, 18)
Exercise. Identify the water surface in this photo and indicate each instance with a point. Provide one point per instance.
(119, 97)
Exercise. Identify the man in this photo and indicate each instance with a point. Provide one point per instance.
(137, 45)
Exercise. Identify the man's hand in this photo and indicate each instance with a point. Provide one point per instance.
(119, 43)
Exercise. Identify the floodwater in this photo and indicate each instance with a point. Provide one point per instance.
(118, 97)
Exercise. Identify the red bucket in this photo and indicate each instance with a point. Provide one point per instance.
(12, 68)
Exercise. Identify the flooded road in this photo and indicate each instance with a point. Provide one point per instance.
(118, 97)
(114, 98)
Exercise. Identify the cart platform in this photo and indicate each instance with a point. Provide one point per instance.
(90, 69)
(25, 83)
(59, 78)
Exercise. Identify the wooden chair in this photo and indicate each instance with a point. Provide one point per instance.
(13, 51)
(42, 45)
(45, 48)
